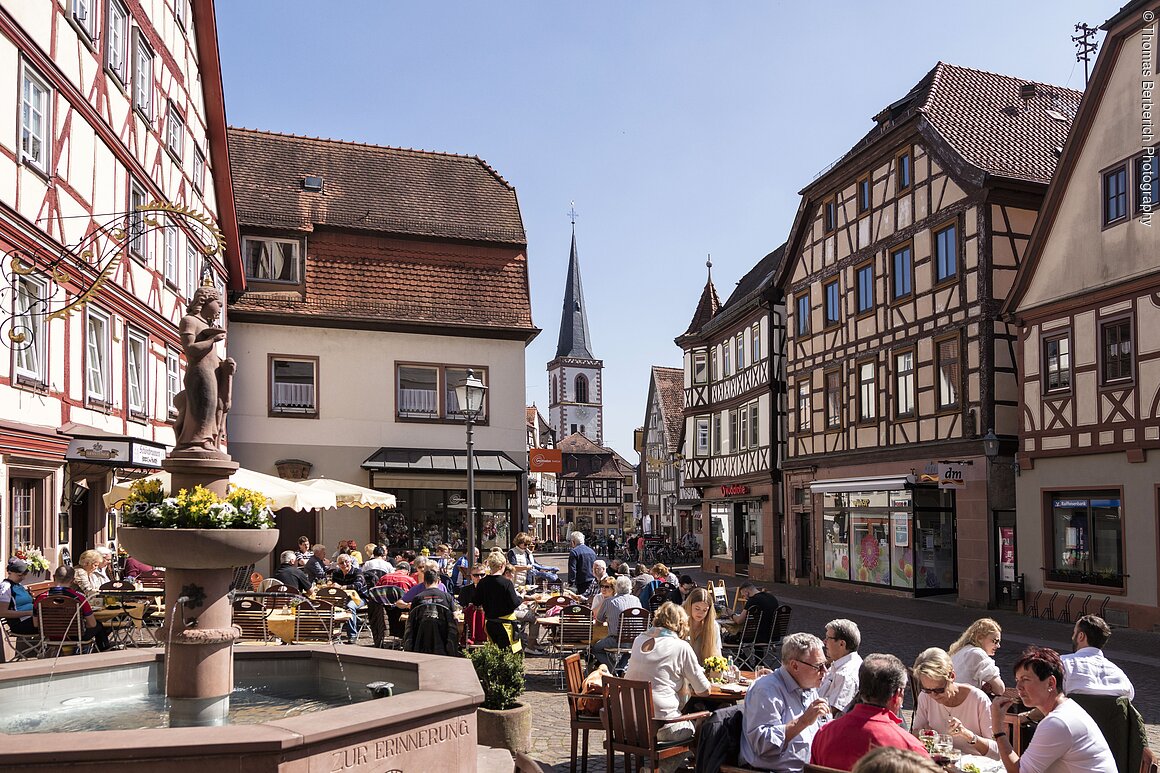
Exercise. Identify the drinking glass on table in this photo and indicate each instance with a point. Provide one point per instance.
(928, 738)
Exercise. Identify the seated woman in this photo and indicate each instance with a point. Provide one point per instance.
(496, 595)
(87, 564)
(973, 656)
(1067, 738)
(704, 632)
(661, 656)
(949, 707)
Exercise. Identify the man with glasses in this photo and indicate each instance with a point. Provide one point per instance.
(841, 683)
(872, 723)
(782, 710)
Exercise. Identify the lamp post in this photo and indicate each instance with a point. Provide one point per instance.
(990, 445)
(469, 393)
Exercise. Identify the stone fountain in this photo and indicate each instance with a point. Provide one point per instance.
(428, 723)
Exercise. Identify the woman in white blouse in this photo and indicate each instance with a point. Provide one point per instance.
(662, 656)
(952, 708)
(973, 656)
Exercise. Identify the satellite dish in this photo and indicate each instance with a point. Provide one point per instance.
(1056, 115)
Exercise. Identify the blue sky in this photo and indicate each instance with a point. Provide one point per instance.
(678, 128)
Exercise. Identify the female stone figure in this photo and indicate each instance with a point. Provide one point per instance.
(203, 404)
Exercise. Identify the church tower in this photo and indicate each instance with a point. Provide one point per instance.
(575, 376)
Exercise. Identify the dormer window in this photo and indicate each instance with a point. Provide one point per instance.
(272, 260)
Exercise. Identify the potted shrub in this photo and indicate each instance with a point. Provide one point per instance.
(503, 722)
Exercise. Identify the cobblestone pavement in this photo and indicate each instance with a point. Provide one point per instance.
(903, 627)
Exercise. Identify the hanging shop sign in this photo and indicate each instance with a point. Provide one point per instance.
(950, 476)
(545, 460)
(115, 452)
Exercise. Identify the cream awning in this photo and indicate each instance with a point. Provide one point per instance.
(350, 495)
(872, 483)
(282, 493)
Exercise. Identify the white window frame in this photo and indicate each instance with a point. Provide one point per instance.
(198, 170)
(867, 390)
(35, 107)
(116, 37)
(743, 435)
(805, 408)
(192, 268)
(137, 373)
(179, 12)
(175, 132)
(171, 239)
(741, 351)
(726, 370)
(700, 367)
(297, 261)
(755, 424)
(701, 436)
(138, 237)
(98, 355)
(717, 434)
(904, 397)
(29, 358)
(756, 342)
(84, 15)
(142, 74)
(282, 405)
(172, 380)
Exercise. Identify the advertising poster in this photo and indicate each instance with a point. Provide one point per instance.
(1007, 554)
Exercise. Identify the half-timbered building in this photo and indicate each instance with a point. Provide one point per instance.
(594, 490)
(542, 472)
(660, 456)
(1084, 299)
(734, 426)
(897, 362)
(377, 279)
(115, 205)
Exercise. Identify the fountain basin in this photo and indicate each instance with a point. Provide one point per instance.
(428, 724)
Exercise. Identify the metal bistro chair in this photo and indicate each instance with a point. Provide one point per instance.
(314, 624)
(662, 593)
(61, 624)
(574, 635)
(778, 631)
(139, 609)
(23, 646)
(633, 622)
(250, 618)
(744, 650)
(631, 729)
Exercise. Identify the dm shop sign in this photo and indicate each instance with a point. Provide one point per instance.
(115, 452)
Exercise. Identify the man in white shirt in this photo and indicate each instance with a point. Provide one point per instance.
(841, 682)
(379, 561)
(1086, 671)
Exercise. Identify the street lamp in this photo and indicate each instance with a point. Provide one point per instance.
(469, 393)
(990, 444)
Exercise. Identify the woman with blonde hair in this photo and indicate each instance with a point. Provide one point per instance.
(87, 562)
(661, 656)
(951, 708)
(973, 656)
(704, 632)
(891, 759)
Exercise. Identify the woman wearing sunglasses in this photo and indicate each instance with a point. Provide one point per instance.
(952, 708)
(973, 654)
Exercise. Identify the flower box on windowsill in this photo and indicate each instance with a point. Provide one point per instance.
(1085, 578)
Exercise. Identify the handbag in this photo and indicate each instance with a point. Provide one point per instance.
(593, 685)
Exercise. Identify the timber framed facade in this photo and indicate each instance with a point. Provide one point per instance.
(897, 360)
(1086, 302)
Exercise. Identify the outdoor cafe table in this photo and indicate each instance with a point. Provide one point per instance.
(725, 694)
(138, 606)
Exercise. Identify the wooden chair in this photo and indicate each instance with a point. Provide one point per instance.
(744, 650)
(250, 618)
(811, 768)
(580, 723)
(314, 624)
(525, 764)
(574, 634)
(256, 580)
(152, 580)
(332, 596)
(557, 601)
(269, 584)
(631, 729)
(61, 625)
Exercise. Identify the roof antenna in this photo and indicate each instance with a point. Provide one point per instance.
(572, 215)
(1085, 46)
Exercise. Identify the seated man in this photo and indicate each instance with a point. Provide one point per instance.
(379, 561)
(62, 580)
(317, 567)
(466, 594)
(1087, 671)
(782, 709)
(400, 578)
(757, 600)
(16, 602)
(431, 625)
(618, 597)
(872, 723)
(348, 576)
(289, 574)
(841, 683)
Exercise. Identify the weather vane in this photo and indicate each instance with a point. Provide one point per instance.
(572, 213)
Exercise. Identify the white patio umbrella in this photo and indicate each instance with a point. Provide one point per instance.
(282, 493)
(350, 495)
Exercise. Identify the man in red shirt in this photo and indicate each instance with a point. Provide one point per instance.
(873, 722)
(400, 578)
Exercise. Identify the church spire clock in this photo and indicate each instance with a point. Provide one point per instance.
(575, 376)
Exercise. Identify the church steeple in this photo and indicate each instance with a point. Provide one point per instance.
(574, 339)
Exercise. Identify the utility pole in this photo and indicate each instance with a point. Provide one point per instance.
(1085, 46)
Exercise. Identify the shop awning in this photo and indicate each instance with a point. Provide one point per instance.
(872, 483)
(350, 495)
(282, 493)
(535, 512)
(437, 461)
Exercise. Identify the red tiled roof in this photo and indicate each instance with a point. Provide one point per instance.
(577, 443)
(670, 386)
(370, 187)
(362, 277)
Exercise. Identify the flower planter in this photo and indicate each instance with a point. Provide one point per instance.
(509, 729)
(198, 548)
